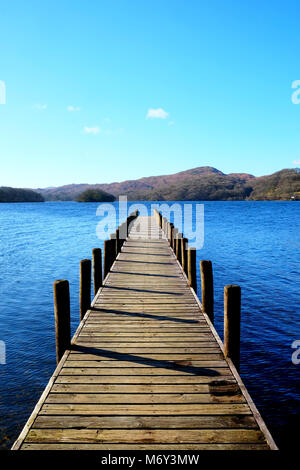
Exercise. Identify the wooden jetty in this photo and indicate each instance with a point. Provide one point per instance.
(146, 369)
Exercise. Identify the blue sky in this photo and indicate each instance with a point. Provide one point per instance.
(102, 91)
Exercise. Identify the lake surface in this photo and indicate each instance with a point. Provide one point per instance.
(253, 244)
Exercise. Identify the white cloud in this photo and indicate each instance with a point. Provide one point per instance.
(73, 108)
(91, 130)
(98, 130)
(296, 162)
(40, 106)
(158, 113)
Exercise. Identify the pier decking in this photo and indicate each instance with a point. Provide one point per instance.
(146, 369)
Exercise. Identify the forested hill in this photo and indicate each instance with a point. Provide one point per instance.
(202, 183)
(19, 195)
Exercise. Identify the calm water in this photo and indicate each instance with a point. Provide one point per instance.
(253, 244)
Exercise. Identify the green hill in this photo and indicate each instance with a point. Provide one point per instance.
(95, 195)
(282, 185)
(19, 195)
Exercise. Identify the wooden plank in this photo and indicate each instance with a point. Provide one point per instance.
(148, 446)
(136, 398)
(144, 436)
(139, 379)
(197, 353)
(146, 422)
(145, 409)
(137, 388)
(148, 367)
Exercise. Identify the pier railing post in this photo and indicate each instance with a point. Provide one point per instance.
(62, 317)
(97, 269)
(171, 235)
(192, 268)
(160, 220)
(85, 286)
(207, 288)
(118, 248)
(175, 231)
(122, 233)
(232, 323)
(178, 247)
(107, 257)
(184, 246)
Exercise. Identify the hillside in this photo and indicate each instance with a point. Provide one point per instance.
(202, 183)
(19, 195)
(282, 185)
(95, 195)
(131, 187)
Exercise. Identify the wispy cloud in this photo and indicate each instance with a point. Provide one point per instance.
(73, 108)
(40, 107)
(158, 113)
(98, 130)
(91, 130)
(296, 162)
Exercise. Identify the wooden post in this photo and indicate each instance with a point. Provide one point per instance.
(62, 317)
(171, 235)
(97, 269)
(184, 244)
(207, 288)
(107, 257)
(123, 233)
(232, 323)
(175, 231)
(118, 248)
(192, 268)
(178, 247)
(85, 286)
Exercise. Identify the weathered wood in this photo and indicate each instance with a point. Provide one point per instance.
(207, 288)
(141, 409)
(174, 242)
(178, 247)
(184, 261)
(62, 317)
(145, 369)
(171, 239)
(145, 422)
(84, 286)
(192, 276)
(108, 256)
(143, 435)
(232, 322)
(148, 446)
(97, 269)
(118, 245)
(141, 398)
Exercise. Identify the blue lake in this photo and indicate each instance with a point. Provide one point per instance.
(253, 244)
